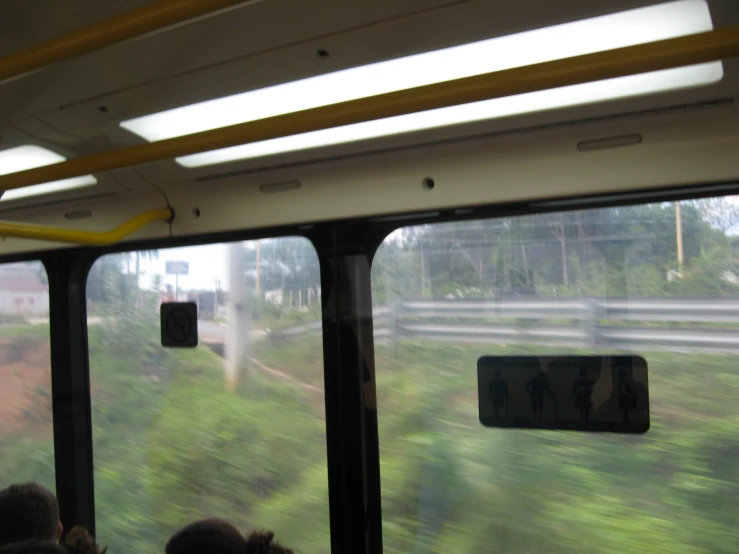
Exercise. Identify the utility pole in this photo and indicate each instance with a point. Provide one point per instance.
(423, 273)
(679, 233)
(239, 317)
(215, 301)
(139, 296)
(257, 276)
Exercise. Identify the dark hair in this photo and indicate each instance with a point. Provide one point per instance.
(217, 536)
(79, 541)
(28, 511)
(33, 546)
(260, 542)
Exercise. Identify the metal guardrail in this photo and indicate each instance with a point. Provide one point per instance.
(718, 310)
(587, 323)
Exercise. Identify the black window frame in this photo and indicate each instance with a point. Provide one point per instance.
(345, 249)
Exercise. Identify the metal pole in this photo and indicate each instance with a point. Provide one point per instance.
(666, 54)
(93, 238)
(144, 20)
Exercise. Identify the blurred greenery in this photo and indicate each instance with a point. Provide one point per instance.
(450, 485)
(673, 490)
(623, 251)
(180, 446)
(173, 444)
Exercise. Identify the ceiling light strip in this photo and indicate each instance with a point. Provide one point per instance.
(31, 156)
(587, 36)
(539, 101)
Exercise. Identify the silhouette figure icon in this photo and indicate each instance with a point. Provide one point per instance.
(537, 386)
(498, 394)
(582, 388)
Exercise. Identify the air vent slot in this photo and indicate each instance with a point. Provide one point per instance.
(79, 214)
(608, 142)
(270, 188)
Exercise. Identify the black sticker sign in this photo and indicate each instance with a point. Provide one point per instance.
(179, 324)
(578, 393)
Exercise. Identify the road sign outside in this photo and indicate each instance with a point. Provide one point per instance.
(177, 268)
(179, 324)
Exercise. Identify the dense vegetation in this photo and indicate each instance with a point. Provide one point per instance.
(607, 252)
(172, 443)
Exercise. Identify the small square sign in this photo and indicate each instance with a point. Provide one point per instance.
(179, 324)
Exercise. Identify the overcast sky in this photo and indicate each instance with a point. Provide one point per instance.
(207, 263)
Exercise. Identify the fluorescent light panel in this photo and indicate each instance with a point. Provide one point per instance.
(489, 109)
(639, 26)
(30, 156)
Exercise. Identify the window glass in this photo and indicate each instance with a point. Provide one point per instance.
(658, 280)
(26, 429)
(233, 428)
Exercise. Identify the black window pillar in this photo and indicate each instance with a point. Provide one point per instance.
(70, 387)
(351, 410)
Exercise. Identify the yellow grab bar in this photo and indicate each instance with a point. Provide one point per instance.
(666, 54)
(146, 19)
(92, 238)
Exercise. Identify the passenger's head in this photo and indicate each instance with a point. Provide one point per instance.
(28, 511)
(217, 536)
(34, 546)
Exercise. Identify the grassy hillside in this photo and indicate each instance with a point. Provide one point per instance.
(26, 440)
(172, 444)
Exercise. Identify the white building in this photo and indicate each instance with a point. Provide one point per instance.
(22, 291)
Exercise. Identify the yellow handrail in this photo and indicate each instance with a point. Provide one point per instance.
(666, 54)
(146, 19)
(92, 238)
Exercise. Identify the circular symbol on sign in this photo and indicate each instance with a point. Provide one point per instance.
(178, 325)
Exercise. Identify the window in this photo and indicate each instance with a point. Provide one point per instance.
(26, 429)
(233, 428)
(658, 280)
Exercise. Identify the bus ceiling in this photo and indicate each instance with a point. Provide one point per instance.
(714, 45)
(667, 54)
